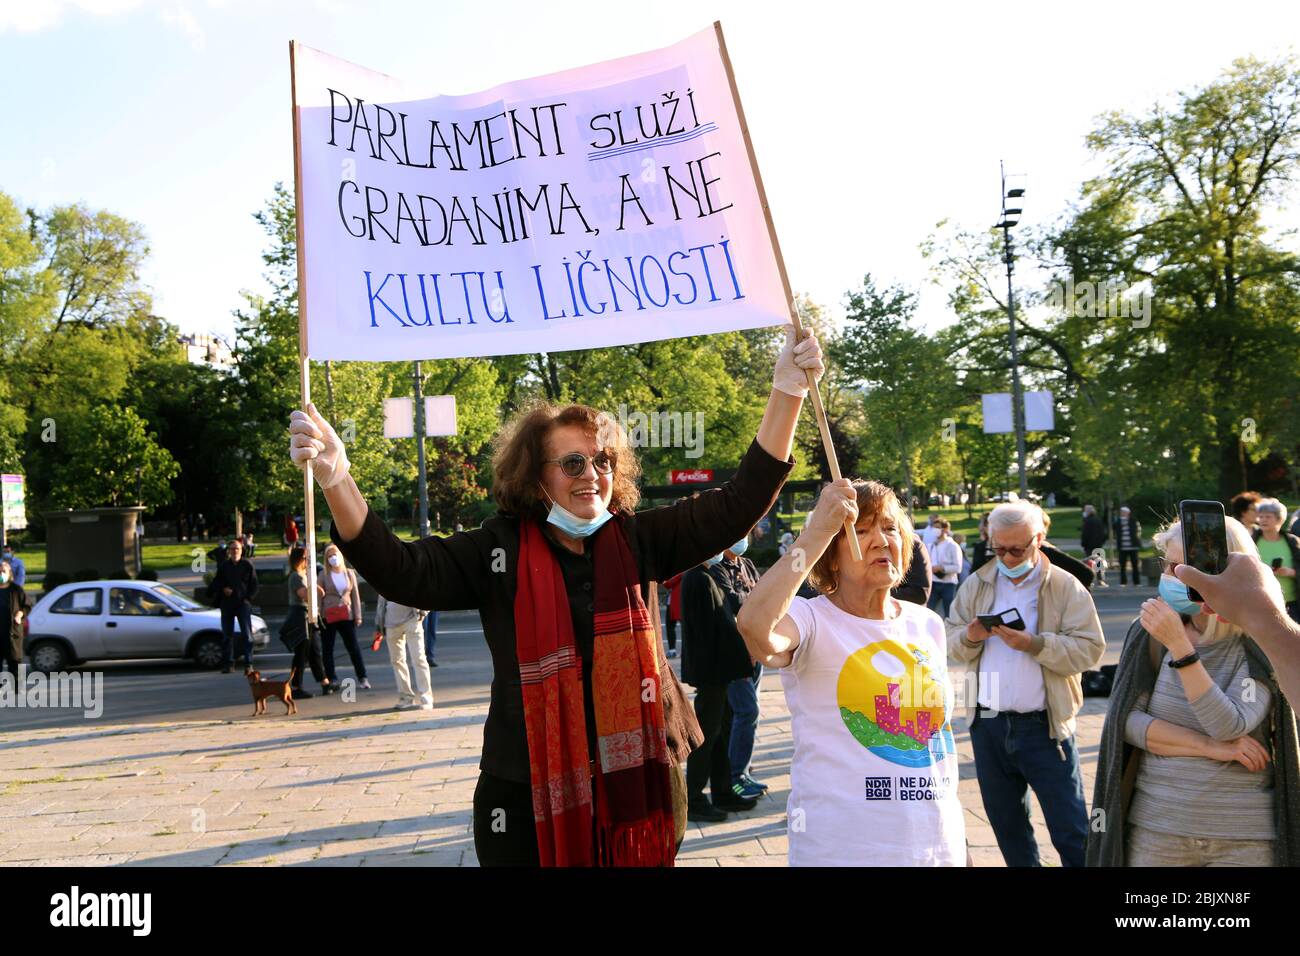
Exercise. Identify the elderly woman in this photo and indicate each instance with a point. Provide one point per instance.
(866, 681)
(1198, 760)
(1279, 550)
(586, 718)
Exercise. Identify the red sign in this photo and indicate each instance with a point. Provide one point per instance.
(686, 476)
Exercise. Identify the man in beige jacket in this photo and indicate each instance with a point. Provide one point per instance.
(1028, 685)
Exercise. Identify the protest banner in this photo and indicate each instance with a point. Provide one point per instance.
(606, 205)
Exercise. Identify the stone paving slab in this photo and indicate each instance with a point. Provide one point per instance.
(373, 789)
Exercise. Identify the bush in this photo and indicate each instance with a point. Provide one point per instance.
(763, 557)
(86, 574)
(54, 579)
(121, 574)
(147, 574)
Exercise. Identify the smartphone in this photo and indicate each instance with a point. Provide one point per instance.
(1277, 563)
(1010, 618)
(1205, 539)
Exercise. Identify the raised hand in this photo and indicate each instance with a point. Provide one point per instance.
(312, 440)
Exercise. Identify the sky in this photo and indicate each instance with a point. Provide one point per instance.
(871, 122)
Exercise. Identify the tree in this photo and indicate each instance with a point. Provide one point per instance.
(1182, 208)
(906, 382)
(453, 482)
(114, 460)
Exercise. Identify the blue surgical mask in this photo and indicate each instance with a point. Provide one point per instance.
(571, 524)
(740, 546)
(710, 562)
(1174, 593)
(1019, 571)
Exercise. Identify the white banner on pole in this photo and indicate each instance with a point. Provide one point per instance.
(605, 205)
(997, 413)
(439, 415)
(1040, 414)
(399, 418)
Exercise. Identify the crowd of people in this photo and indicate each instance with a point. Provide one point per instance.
(595, 754)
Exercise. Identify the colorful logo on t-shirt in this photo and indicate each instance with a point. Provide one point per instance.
(892, 704)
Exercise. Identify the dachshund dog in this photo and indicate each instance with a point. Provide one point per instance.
(279, 689)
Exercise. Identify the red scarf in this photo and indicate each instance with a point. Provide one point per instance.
(633, 795)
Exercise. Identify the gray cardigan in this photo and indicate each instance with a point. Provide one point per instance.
(1117, 760)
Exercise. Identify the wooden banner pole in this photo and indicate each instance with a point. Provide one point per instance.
(304, 363)
(819, 411)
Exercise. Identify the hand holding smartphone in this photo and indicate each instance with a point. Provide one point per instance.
(1205, 538)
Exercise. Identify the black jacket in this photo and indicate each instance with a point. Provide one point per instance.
(477, 569)
(1093, 535)
(240, 577)
(916, 586)
(16, 599)
(713, 652)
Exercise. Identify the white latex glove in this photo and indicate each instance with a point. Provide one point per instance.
(312, 439)
(790, 376)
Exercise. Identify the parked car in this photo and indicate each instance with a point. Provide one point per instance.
(115, 620)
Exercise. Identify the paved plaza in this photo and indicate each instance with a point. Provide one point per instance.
(178, 772)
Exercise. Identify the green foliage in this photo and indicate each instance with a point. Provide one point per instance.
(905, 384)
(115, 461)
(1194, 397)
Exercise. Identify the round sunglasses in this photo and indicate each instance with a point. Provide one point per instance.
(574, 464)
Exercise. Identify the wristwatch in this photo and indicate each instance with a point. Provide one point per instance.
(1191, 658)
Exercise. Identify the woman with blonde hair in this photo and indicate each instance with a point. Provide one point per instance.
(341, 606)
(587, 721)
(1198, 760)
(866, 681)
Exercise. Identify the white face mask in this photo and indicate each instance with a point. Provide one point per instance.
(335, 561)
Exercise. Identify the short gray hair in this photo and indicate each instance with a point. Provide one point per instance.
(1016, 514)
(1273, 507)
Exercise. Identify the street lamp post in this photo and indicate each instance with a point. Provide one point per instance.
(1010, 217)
(423, 486)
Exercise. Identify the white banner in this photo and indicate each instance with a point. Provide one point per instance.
(605, 205)
(1040, 412)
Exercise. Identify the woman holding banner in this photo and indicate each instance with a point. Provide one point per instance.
(587, 722)
(866, 680)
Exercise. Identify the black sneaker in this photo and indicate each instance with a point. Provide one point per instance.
(732, 802)
(300, 694)
(433, 663)
(704, 813)
(330, 688)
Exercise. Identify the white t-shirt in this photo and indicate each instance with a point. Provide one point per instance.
(943, 552)
(873, 780)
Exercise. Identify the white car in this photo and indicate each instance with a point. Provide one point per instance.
(115, 620)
